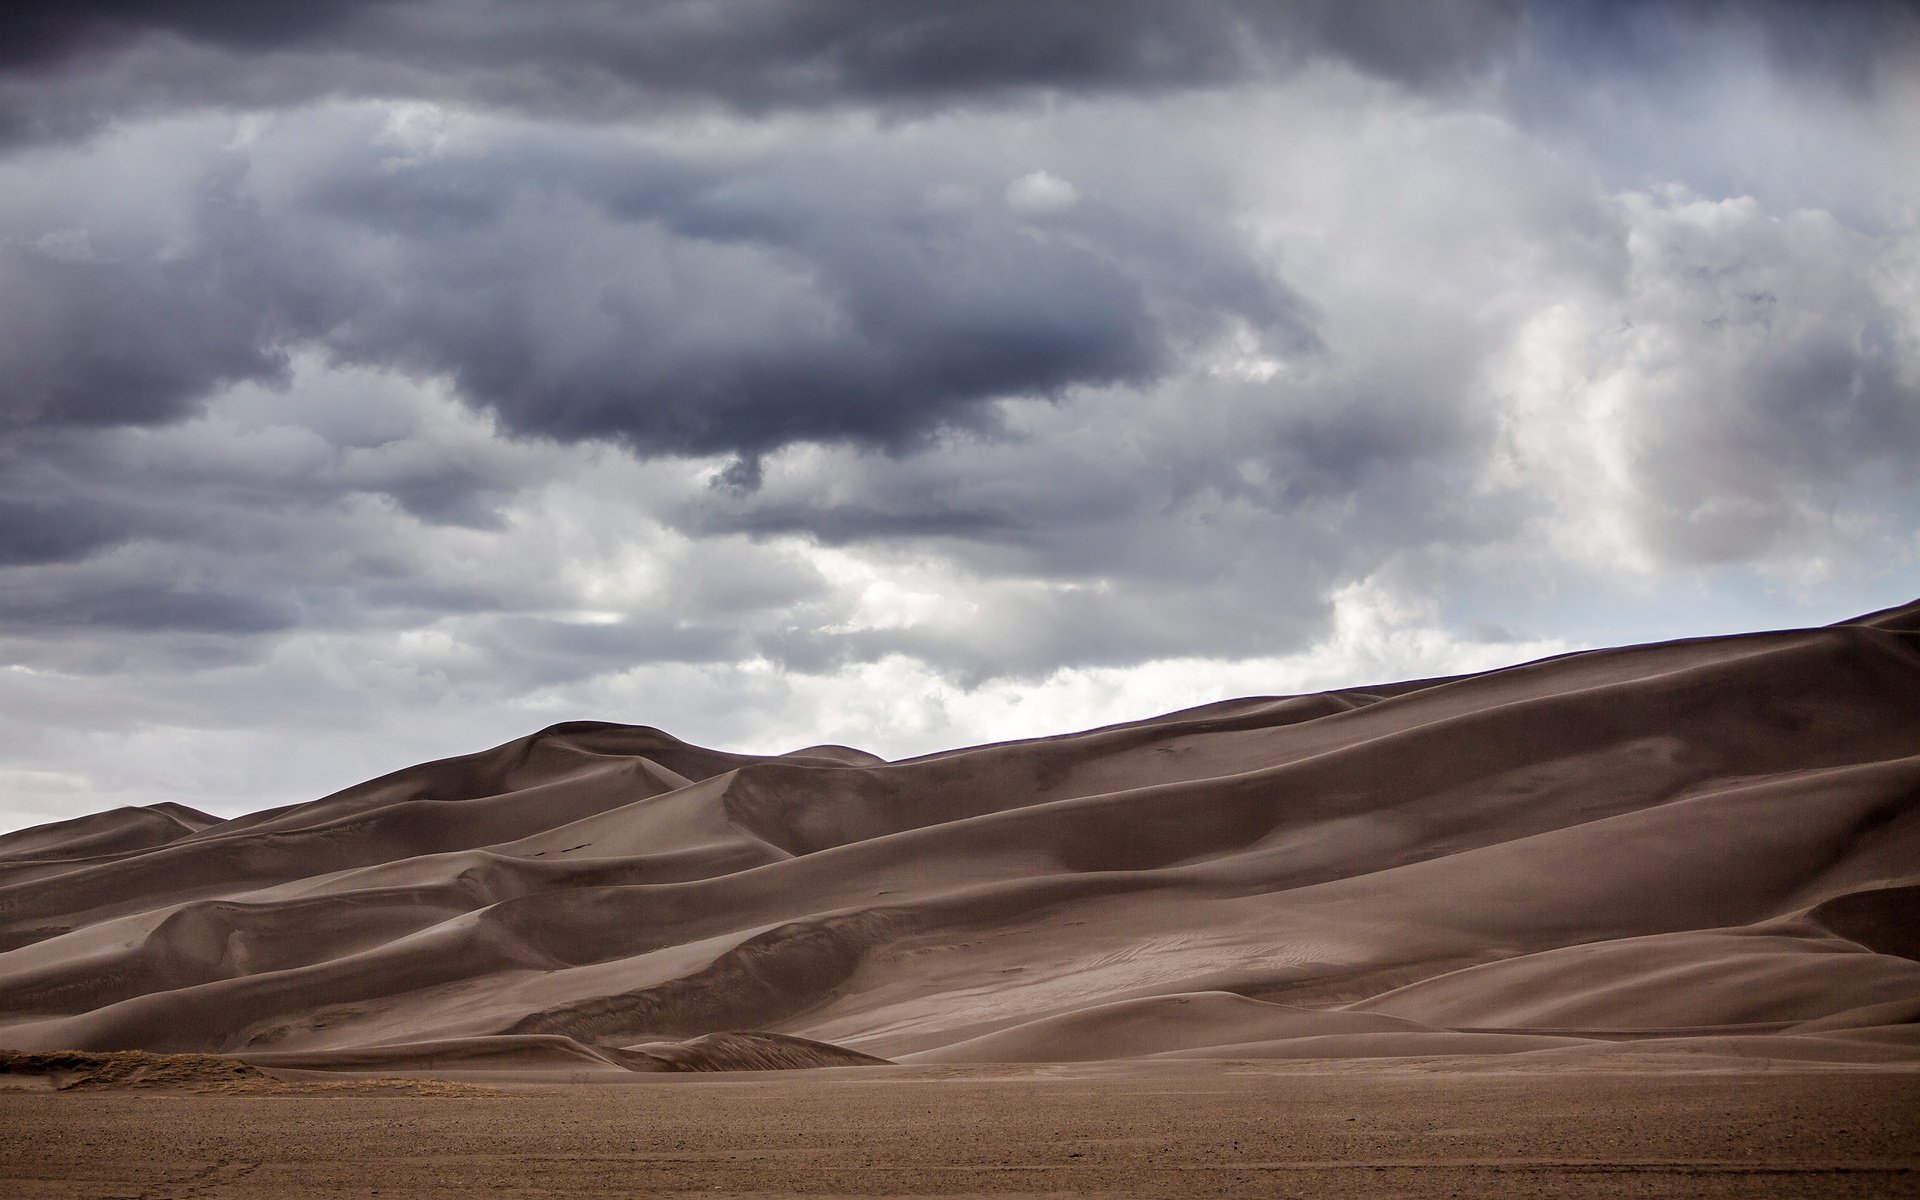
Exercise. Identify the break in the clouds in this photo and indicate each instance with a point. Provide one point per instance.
(388, 379)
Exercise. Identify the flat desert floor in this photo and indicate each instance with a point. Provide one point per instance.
(1456, 1129)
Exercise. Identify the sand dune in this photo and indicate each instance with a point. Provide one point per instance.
(1711, 843)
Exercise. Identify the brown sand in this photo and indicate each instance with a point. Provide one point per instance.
(1127, 1130)
(1709, 847)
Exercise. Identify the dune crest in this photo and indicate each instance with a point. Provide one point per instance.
(1709, 842)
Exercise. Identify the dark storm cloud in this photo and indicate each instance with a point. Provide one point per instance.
(793, 308)
(40, 34)
(77, 64)
(798, 322)
(142, 607)
(56, 530)
(454, 496)
(579, 290)
(142, 339)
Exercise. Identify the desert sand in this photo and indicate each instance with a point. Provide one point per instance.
(1682, 863)
(1169, 1130)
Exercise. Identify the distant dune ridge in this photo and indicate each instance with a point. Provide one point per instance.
(1708, 847)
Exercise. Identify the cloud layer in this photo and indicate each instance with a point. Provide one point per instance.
(77, 65)
(389, 378)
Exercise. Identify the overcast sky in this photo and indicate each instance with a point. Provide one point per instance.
(385, 380)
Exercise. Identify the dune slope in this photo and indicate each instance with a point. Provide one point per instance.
(1713, 842)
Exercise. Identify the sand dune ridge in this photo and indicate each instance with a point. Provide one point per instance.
(1694, 840)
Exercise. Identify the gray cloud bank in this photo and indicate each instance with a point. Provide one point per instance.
(82, 63)
(581, 287)
(411, 373)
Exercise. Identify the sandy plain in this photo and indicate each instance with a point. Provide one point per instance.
(1439, 1128)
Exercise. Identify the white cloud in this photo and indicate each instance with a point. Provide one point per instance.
(1040, 195)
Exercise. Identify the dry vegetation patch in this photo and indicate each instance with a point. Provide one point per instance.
(69, 1070)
